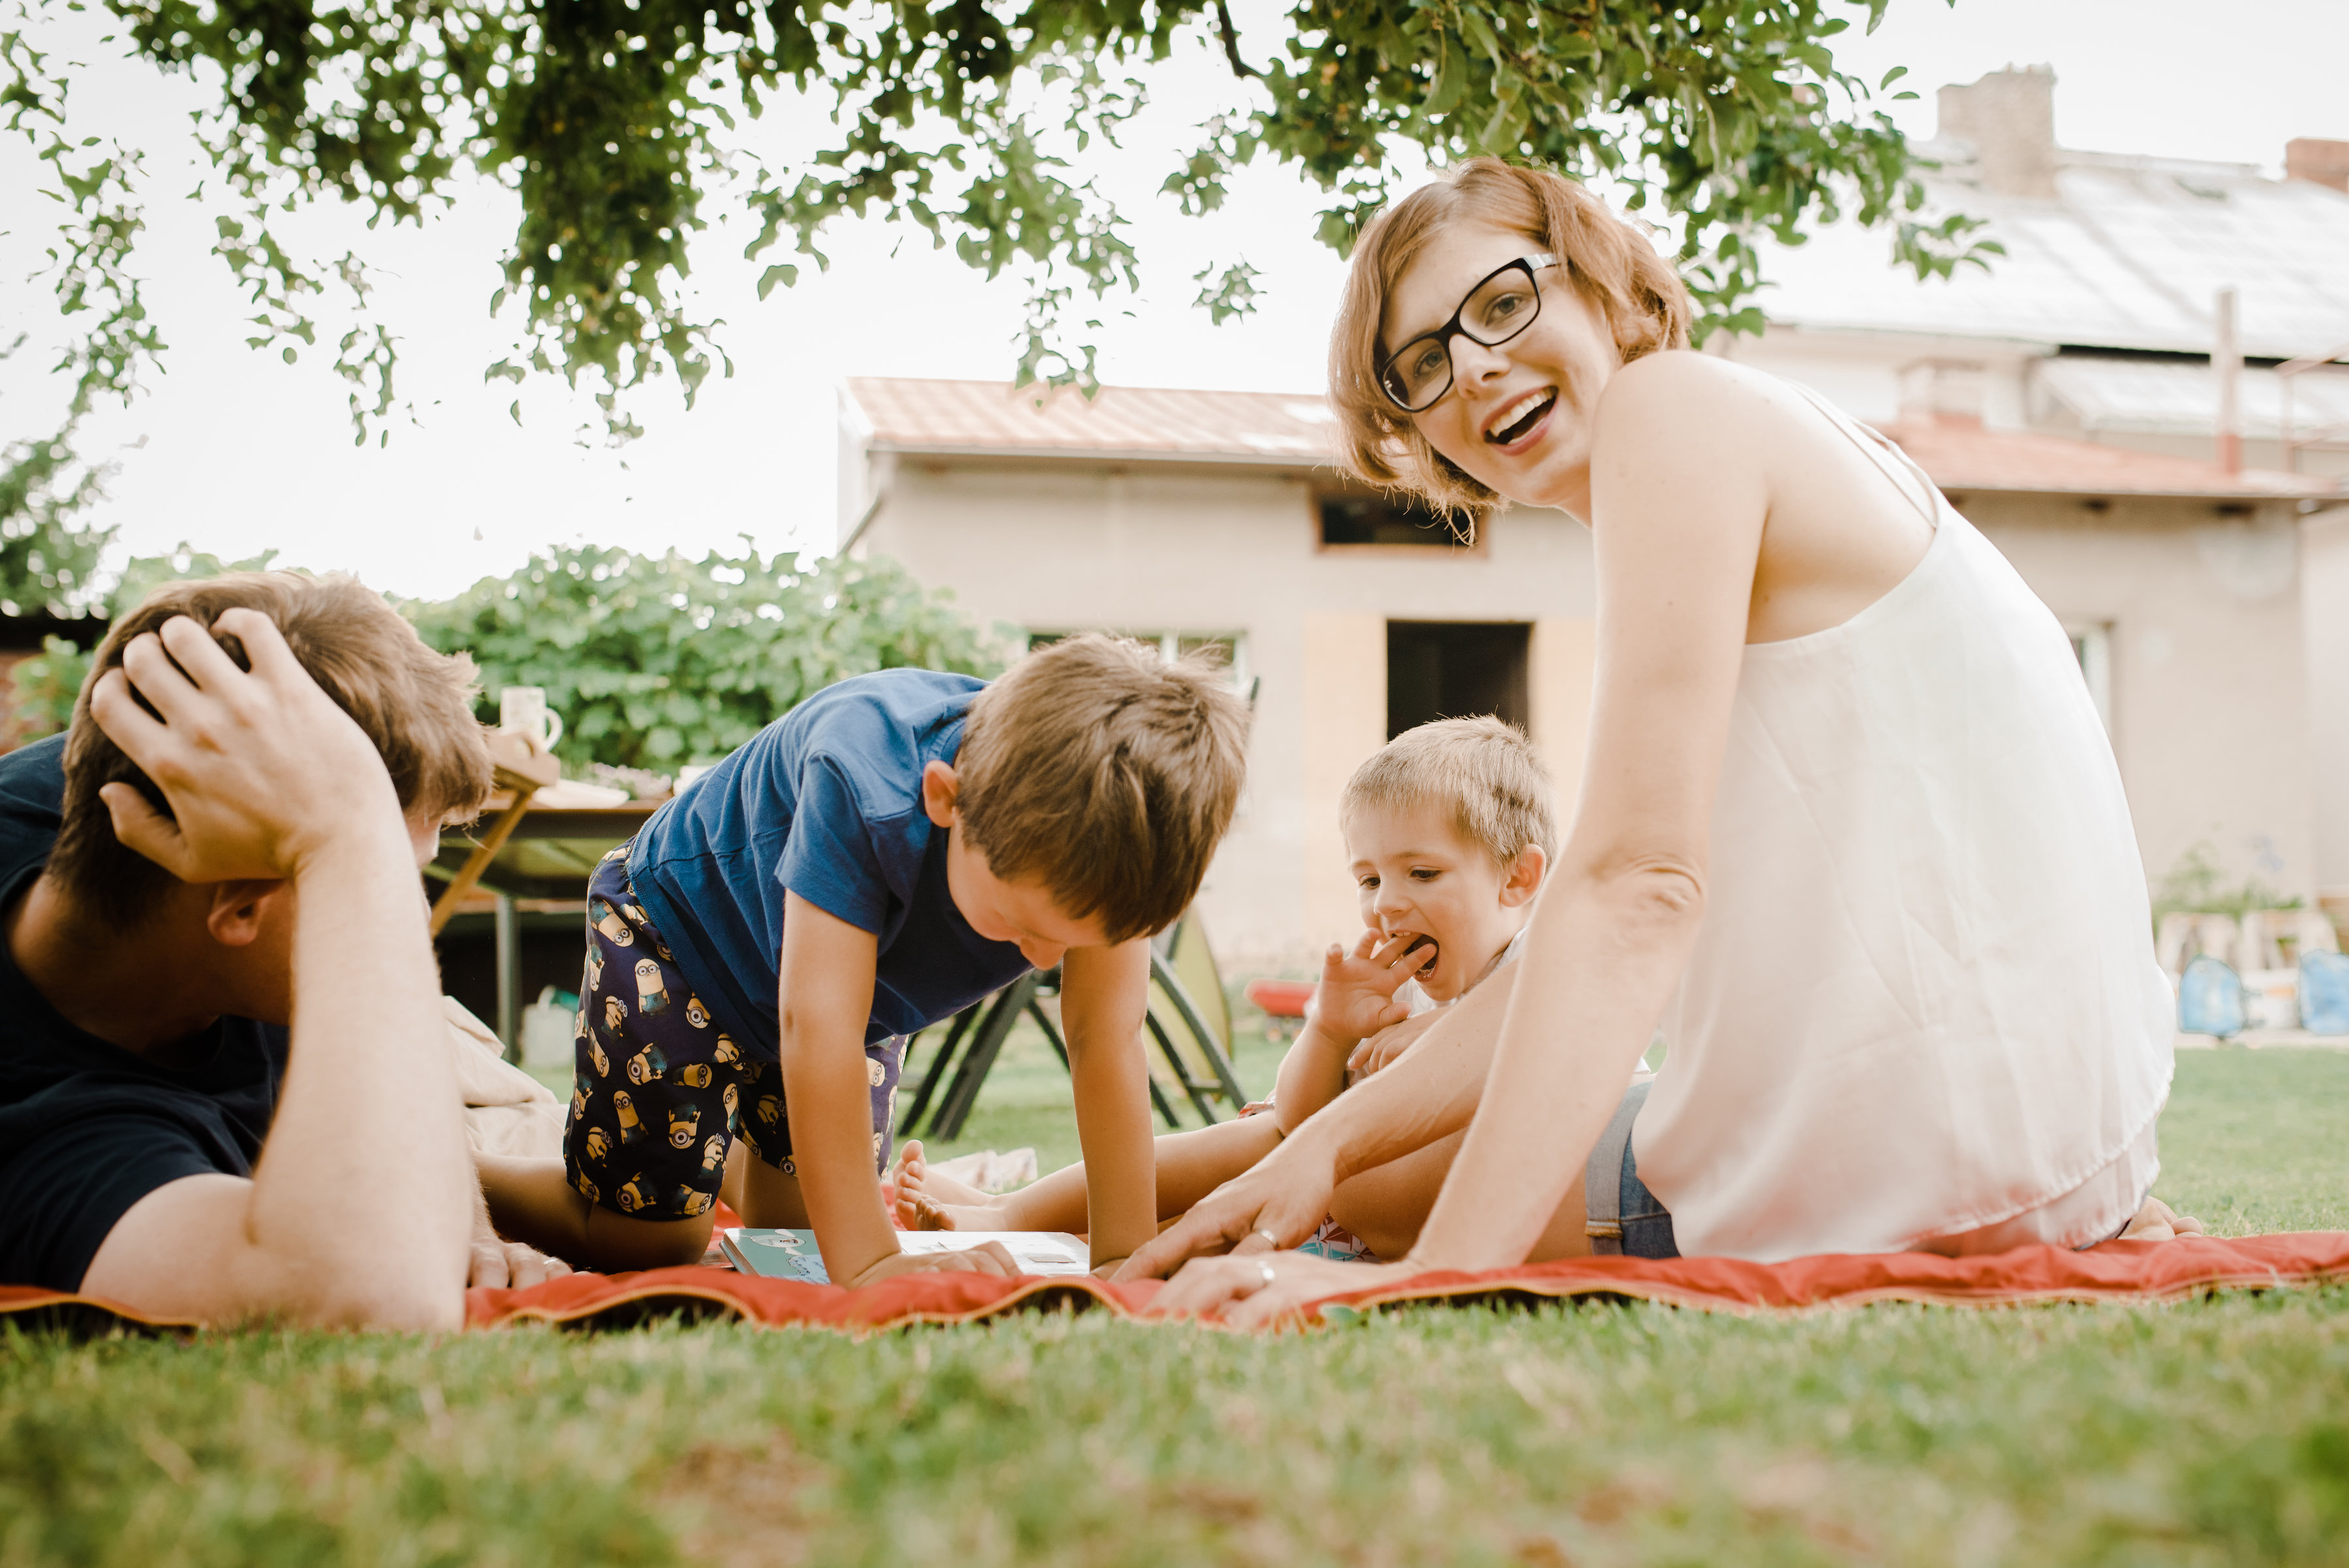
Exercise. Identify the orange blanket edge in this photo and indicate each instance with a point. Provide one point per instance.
(2147, 1272)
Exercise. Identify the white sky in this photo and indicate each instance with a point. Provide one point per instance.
(235, 451)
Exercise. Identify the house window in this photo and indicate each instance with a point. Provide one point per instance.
(1362, 518)
(1456, 669)
(2092, 645)
(1174, 645)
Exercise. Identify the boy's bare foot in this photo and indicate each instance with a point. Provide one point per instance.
(924, 1212)
(917, 1185)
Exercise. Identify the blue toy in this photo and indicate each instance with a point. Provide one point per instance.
(2211, 999)
(2325, 993)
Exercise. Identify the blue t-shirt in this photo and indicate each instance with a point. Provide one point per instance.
(825, 802)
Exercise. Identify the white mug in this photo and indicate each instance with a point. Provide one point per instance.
(524, 711)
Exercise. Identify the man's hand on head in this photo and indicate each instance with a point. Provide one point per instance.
(261, 768)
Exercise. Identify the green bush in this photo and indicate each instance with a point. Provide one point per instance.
(48, 683)
(658, 662)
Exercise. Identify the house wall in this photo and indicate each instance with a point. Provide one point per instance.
(1177, 548)
(2324, 630)
(2210, 695)
(2210, 698)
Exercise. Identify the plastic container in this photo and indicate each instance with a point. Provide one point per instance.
(2325, 993)
(2211, 999)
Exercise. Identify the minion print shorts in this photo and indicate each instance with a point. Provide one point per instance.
(660, 1091)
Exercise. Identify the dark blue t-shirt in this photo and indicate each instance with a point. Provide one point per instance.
(86, 1129)
(825, 802)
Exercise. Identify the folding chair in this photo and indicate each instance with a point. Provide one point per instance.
(1193, 1035)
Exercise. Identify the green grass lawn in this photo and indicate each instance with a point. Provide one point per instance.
(2214, 1432)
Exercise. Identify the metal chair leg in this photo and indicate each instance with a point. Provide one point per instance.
(1052, 1032)
(1228, 1081)
(938, 1065)
(1192, 1085)
(976, 1062)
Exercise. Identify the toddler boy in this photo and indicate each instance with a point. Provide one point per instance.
(894, 849)
(1449, 827)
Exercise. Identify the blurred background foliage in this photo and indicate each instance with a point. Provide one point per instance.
(48, 683)
(618, 124)
(654, 662)
(658, 662)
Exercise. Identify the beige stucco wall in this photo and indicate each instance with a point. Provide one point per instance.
(2325, 634)
(1162, 548)
(2211, 696)
(2209, 699)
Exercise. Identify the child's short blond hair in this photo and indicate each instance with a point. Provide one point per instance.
(1484, 769)
(1106, 771)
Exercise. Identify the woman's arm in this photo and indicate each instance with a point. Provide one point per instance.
(1676, 539)
(1427, 1094)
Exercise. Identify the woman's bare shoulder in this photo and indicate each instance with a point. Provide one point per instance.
(1660, 400)
(1678, 379)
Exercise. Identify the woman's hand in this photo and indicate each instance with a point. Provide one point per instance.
(1259, 1289)
(987, 1258)
(1278, 1202)
(261, 768)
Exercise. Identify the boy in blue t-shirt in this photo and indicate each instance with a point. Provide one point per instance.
(895, 847)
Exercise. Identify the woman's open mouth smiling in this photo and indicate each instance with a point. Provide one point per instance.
(1521, 418)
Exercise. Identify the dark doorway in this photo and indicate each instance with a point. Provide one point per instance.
(1455, 669)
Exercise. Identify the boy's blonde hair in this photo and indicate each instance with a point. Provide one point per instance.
(416, 705)
(1484, 770)
(1608, 262)
(1107, 773)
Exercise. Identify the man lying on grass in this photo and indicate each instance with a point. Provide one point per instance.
(213, 856)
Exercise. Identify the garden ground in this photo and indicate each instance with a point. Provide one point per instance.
(2215, 1431)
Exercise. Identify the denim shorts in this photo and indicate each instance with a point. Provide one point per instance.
(1622, 1218)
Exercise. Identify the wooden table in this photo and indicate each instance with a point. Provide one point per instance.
(523, 853)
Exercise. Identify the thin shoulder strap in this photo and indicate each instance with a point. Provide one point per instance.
(1884, 453)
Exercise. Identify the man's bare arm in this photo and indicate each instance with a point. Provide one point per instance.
(1104, 992)
(359, 1209)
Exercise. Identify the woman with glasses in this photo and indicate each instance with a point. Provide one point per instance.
(1850, 834)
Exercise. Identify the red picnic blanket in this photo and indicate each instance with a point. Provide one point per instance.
(2115, 1271)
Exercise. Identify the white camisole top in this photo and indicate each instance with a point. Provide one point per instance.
(1923, 1010)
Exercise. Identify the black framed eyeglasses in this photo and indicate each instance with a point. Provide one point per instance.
(1417, 375)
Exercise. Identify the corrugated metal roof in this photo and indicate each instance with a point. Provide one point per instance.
(1960, 455)
(2173, 398)
(2129, 254)
(1140, 424)
(1144, 423)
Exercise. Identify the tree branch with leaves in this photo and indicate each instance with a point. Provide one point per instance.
(619, 123)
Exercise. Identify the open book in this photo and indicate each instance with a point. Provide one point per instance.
(792, 1254)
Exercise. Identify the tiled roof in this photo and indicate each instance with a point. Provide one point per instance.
(1142, 423)
(2129, 254)
(1960, 455)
